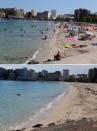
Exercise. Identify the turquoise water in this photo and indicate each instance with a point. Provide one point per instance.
(34, 96)
(20, 39)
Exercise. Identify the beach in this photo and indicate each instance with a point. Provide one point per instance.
(26, 102)
(80, 103)
(47, 49)
(82, 55)
(26, 39)
(30, 48)
(85, 55)
(77, 104)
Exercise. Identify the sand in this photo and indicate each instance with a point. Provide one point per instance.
(85, 55)
(80, 125)
(88, 55)
(79, 103)
(46, 50)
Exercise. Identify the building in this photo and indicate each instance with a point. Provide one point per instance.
(68, 16)
(2, 73)
(81, 14)
(34, 13)
(81, 78)
(65, 74)
(11, 74)
(53, 14)
(32, 75)
(92, 75)
(56, 76)
(43, 15)
(2, 14)
(21, 74)
(20, 13)
(44, 73)
(10, 12)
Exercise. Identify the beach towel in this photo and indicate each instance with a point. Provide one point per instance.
(71, 39)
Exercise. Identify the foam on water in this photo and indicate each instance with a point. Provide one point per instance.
(33, 57)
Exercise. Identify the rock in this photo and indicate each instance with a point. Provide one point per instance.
(51, 124)
(19, 129)
(33, 62)
(37, 125)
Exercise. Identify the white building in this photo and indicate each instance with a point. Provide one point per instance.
(20, 13)
(53, 14)
(2, 14)
(34, 13)
(65, 74)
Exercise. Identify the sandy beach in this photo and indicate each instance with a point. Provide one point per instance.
(85, 55)
(78, 104)
(80, 56)
(46, 50)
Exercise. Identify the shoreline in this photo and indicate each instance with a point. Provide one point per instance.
(50, 47)
(85, 55)
(58, 41)
(47, 50)
(42, 113)
(79, 103)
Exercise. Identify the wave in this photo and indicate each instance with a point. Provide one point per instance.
(32, 58)
(50, 105)
(35, 54)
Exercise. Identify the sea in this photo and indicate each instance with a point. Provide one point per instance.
(22, 101)
(21, 39)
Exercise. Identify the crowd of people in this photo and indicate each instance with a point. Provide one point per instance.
(74, 33)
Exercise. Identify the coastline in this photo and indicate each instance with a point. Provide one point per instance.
(85, 55)
(42, 113)
(47, 50)
(79, 103)
(65, 109)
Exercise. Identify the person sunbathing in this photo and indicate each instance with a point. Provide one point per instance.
(57, 56)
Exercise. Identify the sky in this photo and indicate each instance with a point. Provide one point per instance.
(74, 69)
(62, 6)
